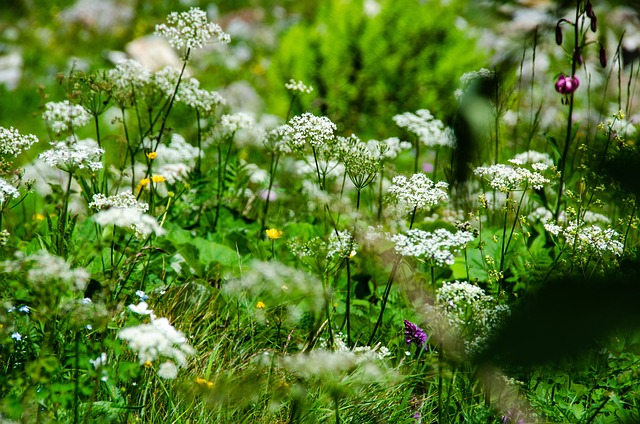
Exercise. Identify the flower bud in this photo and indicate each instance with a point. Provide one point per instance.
(594, 23)
(603, 56)
(589, 10)
(558, 34)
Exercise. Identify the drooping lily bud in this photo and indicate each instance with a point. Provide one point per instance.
(594, 22)
(603, 56)
(589, 10)
(558, 34)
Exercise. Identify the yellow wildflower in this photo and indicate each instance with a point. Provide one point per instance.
(148, 364)
(260, 305)
(38, 217)
(274, 233)
(158, 179)
(152, 155)
(144, 182)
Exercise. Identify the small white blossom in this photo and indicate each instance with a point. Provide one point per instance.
(506, 178)
(130, 75)
(121, 200)
(84, 154)
(430, 131)
(341, 244)
(141, 308)
(238, 121)
(298, 86)
(317, 131)
(99, 361)
(43, 268)
(437, 247)
(168, 370)
(418, 192)
(63, 116)
(13, 143)
(7, 190)
(193, 96)
(131, 218)
(158, 340)
(190, 29)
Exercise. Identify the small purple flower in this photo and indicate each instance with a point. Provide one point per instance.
(567, 85)
(427, 167)
(414, 334)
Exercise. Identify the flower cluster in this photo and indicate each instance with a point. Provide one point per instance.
(121, 200)
(436, 247)
(190, 29)
(532, 157)
(71, 156)
(470, 312)
(63, 116)
(418, 192)
(129, 73)
(131, 218)
(430, 131)
(13, 143)
(589, 239)
(47, 270)
(308, 129)
(341, 244)
(7, 190)
(175, 160)
(158, 340)
(232, 123)
(414, 334)
(388, 148)
(298, 86)
(193, 96)
(506, 178)
(361, 160)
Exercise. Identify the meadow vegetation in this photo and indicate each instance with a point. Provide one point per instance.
(342, 213)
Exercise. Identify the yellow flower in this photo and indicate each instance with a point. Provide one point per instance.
(38, 217)
(148, 364)
(260, 305)
(274, 234)
(152, 155)
(144, 182)
(158, 179)
(203, 382)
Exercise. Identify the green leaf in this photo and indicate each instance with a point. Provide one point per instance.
(199, 253)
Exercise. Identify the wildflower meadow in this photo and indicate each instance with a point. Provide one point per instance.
(348, 211)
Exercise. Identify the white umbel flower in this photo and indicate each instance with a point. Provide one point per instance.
(190, 29)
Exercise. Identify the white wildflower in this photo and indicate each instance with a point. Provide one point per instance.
(131, 218)
(418, 192)
(13, 143)
(506, 178)
(168, 370)
(193, 96)
(298, 86)
(317, 131)
(121, 200)
(430, 131)
(436, 247)
(158, 340)
(130, 75)
(341, 244)
(63, 116)
(43, 268)
(7, 190)
(190, 29)
(83, 154)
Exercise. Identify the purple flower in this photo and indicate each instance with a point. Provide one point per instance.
(567, 85)
(414, 334)
(268, 194)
